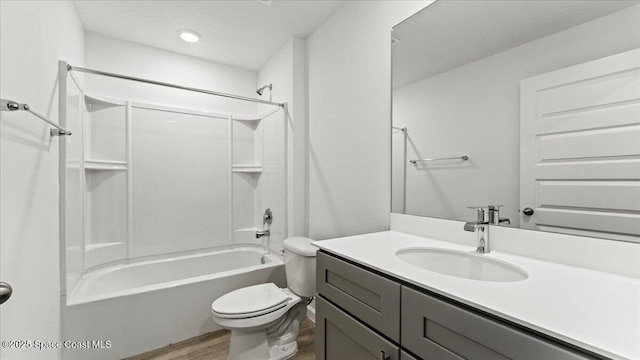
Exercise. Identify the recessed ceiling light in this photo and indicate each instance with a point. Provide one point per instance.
(189, 36)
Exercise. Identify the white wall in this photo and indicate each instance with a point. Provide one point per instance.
(127, 58)
(34, 35)
(286, 71)
(475, 110)
(349, 110)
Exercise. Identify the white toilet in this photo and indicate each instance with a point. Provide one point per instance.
(265, 320)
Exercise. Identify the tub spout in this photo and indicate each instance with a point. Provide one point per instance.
(260, 234)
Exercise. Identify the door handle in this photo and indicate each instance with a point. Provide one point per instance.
(384, 356)
(5, 292)
(527, 211)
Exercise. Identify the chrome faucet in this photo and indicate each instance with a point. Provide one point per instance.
(267, 219)
(487, 215)
(481, 228)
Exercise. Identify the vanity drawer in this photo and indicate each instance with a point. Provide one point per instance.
(371, 298)
(405, 356)
(434, 329)
(341, 337)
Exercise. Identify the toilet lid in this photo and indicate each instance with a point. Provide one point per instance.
(250, 301)
(300, 245)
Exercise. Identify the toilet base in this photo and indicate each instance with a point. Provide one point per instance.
(281, 352)
(248, 345)
(276, 340)
(254, 345)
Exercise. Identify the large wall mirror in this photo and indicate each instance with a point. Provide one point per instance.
(527, 104)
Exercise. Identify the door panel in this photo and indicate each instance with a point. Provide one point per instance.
(580, 149)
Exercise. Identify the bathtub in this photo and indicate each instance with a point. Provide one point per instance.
(131, 307)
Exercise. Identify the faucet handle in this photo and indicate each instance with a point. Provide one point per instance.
(485, 207)
(481, 211)
(487, 213)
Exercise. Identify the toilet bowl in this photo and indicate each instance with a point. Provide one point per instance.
(265, 320)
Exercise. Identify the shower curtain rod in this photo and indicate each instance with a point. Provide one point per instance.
(238, 97)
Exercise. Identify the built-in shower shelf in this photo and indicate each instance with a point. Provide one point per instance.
(105, 165)
(99, 246)
(93, 98)
(247, 118)
(256, 169)
(249, 230)
(100, 253)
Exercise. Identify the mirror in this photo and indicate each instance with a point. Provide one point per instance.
(466, 74)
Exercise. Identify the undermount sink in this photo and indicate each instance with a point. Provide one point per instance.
(461, 264)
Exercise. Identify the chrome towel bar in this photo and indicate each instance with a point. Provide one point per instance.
(463, 158)
(9, 105)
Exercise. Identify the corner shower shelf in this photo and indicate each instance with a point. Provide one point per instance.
(92, 98)
(247, 118)
(105, 165)
(256, 169)
(249, 230)
(94, 247)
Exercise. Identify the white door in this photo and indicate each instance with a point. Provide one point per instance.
(580, 149)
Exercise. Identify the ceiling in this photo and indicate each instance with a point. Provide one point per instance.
(448, 34)
(245, 34)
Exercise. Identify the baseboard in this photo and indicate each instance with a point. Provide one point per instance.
(311, 312)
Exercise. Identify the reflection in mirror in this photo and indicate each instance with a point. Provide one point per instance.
(542, 97)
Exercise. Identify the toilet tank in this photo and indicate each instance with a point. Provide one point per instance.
(300, 265)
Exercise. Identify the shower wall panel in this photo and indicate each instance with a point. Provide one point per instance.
(244, 143)
(245, 203)
(274, 175)
(105, 130)
(74, 189)
(106, 216)
(180, 176)
(246, 178)
(105, 179)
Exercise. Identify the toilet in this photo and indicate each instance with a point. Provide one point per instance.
(264, 319)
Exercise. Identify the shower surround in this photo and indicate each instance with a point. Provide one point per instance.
(162, 204)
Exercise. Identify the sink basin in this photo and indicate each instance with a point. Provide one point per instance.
(461, 264)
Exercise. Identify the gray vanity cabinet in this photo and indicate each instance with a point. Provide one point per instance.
(435, 329)
(369, 297)
(363, 315)
(341, 337)
(405, 356)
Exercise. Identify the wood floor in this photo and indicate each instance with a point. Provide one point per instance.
(215, 346)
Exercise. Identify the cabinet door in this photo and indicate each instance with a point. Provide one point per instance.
(434, 329)
(341, 337)
(406, 356)
(371, 298)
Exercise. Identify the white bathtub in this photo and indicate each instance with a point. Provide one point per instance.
(143, 305)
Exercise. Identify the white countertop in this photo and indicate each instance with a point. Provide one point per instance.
(594, 310)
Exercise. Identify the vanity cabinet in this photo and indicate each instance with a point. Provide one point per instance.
(365, 315)
(435, 329)
(369, 297)
(341, 337)
(405, 356)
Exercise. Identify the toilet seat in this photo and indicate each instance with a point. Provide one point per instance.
(250, 301)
